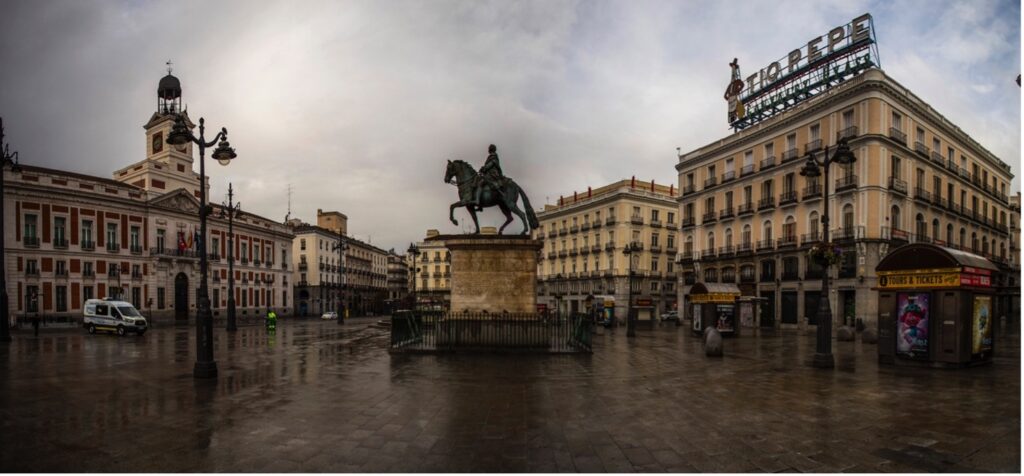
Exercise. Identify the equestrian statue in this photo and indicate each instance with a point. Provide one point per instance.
(486, 189)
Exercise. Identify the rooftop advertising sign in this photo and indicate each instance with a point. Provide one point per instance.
(825, 61)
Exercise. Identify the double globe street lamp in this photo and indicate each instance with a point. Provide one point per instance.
(180, 134)
(414, 251)
(231, 211)
(7, 159)
(631, 248)
(812, 169)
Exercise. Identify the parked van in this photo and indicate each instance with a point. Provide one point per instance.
(112, 316)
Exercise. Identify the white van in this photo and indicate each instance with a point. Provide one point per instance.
(112, 316)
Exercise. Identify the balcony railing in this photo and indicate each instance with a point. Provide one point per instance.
(61, 273)
(563, 231)
(920, 148)
(813, 145)
(655, 223)
(786, 241)
(686, 222)
(897, 185)
(730, 175)
(745, 208)
(847, 133)
(846, 233)
(686, 256)
(746, 170)
(897, 135)
(113, 247)
(766, 203)
(574, 229)
(787, 197)
(848, 182)
(136, 249)
(88, 245)
(768, 244)
(811, 192)
(688, 189)
(596, 224)
(952, 167)
(711, 182)
(937, 158)
(88, 273)
(744, 247)
(552, 233)
(726, 213)
(655, 248)
(609, 246)
(725, 251)
(60, 243)
(922, 194)
(790, 155)
(708, 217)
(30, 241)
(808, 239)
(790, 275)
(767, 162)
(636, 220)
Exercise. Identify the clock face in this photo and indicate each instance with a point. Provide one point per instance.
(158, 142)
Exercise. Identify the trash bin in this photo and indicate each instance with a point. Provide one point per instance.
(935, 307)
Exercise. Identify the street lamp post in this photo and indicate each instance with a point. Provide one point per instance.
(340, 247)
(205, 366)
(231, 210)
(414, 251)
(843, 156)
(630, 318)
(11, 159)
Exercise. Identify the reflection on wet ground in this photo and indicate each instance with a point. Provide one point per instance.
(316, 397)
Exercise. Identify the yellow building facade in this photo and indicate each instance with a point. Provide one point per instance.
(748, 217)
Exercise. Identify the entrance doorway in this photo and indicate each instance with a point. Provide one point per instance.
(181, 297)
(849, 306)
(789, 307)
(768, 308)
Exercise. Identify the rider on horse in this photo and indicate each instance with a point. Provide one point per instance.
(489, 174)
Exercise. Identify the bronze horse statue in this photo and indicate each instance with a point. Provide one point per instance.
(466, 180)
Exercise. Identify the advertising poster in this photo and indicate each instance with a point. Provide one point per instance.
(697, 318)
(747, 315)
(912, 325)
(726, 317)
(982, 328)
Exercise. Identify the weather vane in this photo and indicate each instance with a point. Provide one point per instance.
(169, 66)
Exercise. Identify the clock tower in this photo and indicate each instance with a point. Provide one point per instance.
(166, 167)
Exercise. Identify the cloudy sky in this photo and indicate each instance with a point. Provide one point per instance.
(358, 104)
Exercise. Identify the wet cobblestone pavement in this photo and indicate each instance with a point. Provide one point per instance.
(318, 397)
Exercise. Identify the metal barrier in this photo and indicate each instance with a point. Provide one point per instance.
(448, 332)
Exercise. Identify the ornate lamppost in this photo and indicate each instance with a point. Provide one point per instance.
(414, 251)
(231, 210)
(340, 247)
(843, 156)
(630, 248)
(7, 158)
(205, 366)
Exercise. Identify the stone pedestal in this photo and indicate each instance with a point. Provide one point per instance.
(493, 273)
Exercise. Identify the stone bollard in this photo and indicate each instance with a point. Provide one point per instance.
(712, 342)
(869, 336)
(844, 334)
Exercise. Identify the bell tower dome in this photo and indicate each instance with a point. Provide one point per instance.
(168, 94)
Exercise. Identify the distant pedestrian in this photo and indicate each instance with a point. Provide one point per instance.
(35, 325)
(271, 320)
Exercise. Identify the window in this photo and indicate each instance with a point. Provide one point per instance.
(935, 145)
(31, 227)
(302, 244)
(949, 154)
(815, 132)
(728, 237)
(711, 172)
(161, 296)
(789, 183)
(745, 236)
(216, 298)
(767, 231)
(748, 194)
(134, 234)
(671, 218)
(654, 264)
(161, 239)
(87, 293)
(671, 242)
(61, 298)
(728, 200)
(748, 156)
(920, 179)
(654, 215)
(87, 232)
(894, 171)
(62, 268)
(111, 235)
(920, 135)
(87, 269)
(31, 266)
(897, 121)
(894, 217)
(654, 239)
(59, 234)
(214, 245)
(791, 141)
(847, 119)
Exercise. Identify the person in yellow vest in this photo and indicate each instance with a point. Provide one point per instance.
(271, 320)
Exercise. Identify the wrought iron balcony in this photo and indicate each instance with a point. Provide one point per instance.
(790, 155)
(730, 175)
(808, 239)
(763, 245)
(744, 248)
(898, 136)
(596, 224)
(686, 222)
(60, 243)
(711, 182)
(135, 249)
(609, 221)
(655, 223)
(88, 245)
(952, 167)
(937, 158)
(812, 191)
(656, 249)
(563, 231)
(574, 229)
(786, 241)
(767, 162)
(745, 209)
(844, 234)
(849, 182)
(787, 198)
(726, 213)
(766, 203)
(726, 251)
(922, 195)
(585, 227)
(746, 170)
(636, 220)
(897, 185)
(920, 148)
(847, 133)
(30, 241)
(813, 145)
(113, 247)
(708, 217)
(688, 189)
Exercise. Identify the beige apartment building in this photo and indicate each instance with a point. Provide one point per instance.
(398, 281)
(329, 277)
(431, 282)
(584, 237)
(748, 217)
(72, 237)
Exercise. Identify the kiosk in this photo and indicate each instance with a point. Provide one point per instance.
(935, 307)
(645, 310)
(714, 305)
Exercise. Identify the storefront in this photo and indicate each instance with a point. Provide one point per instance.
(935, 307)
(714, 305)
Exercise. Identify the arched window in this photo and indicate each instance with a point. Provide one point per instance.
(984, 245)
(688, 246)
(728, 237)
(813, 226)
(963, 238)
(949, 234)
(746, 235)
(894, 218)
(920, 228)
(766, 231)
(935, 229)
(1002, 250)
(974, 242)
(848, 219)
(789, 230)
(711, 242)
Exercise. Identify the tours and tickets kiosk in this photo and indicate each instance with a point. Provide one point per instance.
(714, 305)
(645, 310)
(935, 307)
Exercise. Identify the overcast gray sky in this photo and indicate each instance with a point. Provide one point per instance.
(358, 104)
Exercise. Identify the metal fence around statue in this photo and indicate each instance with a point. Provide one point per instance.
(452, 332)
